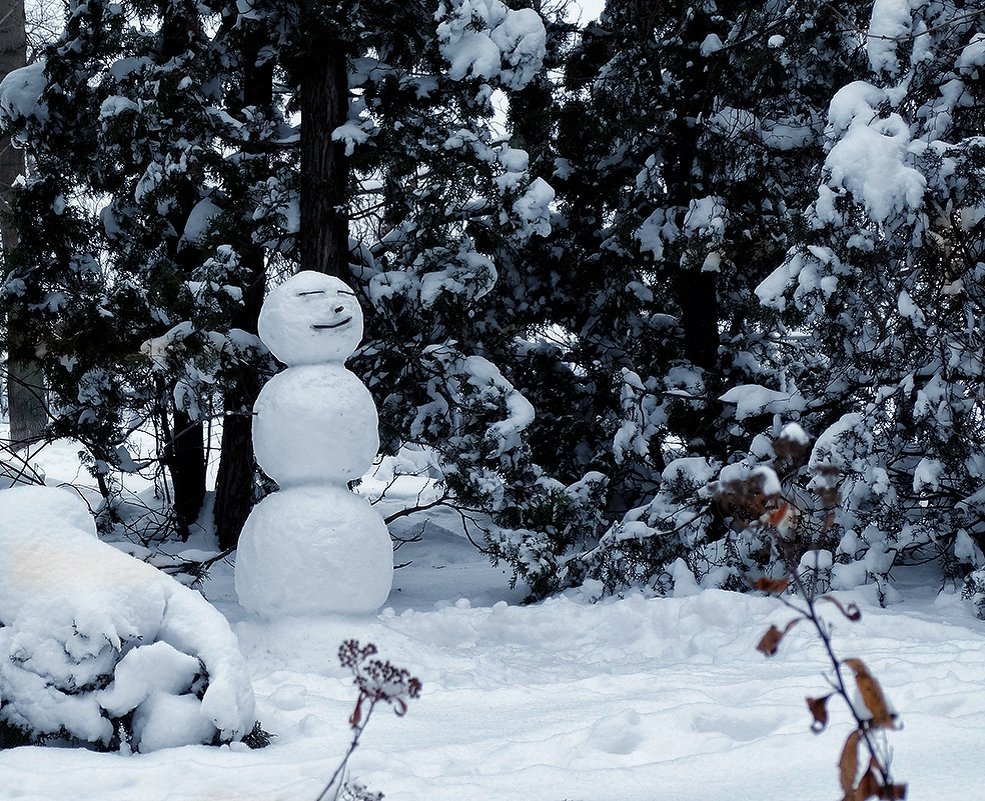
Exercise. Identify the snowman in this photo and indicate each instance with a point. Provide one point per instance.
(313, 547)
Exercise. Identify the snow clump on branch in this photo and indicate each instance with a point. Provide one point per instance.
(485, 39)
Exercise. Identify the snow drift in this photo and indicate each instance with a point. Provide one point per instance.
(98, 647)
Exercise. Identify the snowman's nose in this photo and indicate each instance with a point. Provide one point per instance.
(339, 309)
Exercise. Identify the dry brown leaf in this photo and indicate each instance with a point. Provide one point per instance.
(819, 709)
(893, 792)
(868, 786)
(772, 586)
(852, 612)
(872, 695)
(776, 516)
(357, 714)
(770, 642)
(788, 447)
(848, 764)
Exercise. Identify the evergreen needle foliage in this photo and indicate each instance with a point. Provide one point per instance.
(602, 264)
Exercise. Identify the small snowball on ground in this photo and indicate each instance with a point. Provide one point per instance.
(289, 697)
(617, 734)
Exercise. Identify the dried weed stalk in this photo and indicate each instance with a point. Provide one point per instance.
(864, 765)
(377, 681)
(873, 715)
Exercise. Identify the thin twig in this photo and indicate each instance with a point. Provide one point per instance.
(353, 745)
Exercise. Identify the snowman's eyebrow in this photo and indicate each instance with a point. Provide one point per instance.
(346, 292)
(311, 292)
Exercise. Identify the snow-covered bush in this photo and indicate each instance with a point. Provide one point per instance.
(685, 143)
(99, 648)
(885, 289)
(713, 525)
(478, 423)
(649, 546)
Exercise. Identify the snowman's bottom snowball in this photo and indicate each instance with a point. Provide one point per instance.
(313, 550)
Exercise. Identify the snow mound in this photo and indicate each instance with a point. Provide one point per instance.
(90, 635)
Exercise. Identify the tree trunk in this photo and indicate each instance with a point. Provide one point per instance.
(184, 454)
(184, 448)
(698, 299)
(234, 484)
(696, 290)
(25, 388)
(324, 245)
(531, 120)
(237, 466)
(26, 400)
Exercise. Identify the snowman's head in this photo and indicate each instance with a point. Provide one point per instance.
(311, 318)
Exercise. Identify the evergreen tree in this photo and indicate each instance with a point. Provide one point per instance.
(147, 142)
(445, 201)
(886, 283)
(578, 315)
(171, 178)
(688, 138)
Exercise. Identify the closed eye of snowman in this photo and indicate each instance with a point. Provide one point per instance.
(342, 310)
(311, 318)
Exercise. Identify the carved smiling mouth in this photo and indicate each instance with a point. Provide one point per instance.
(323, 326)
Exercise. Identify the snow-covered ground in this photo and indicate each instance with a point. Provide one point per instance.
(629, 699)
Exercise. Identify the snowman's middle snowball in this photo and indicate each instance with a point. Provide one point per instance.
(315, 423)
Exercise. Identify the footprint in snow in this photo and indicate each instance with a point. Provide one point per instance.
(616, 734)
